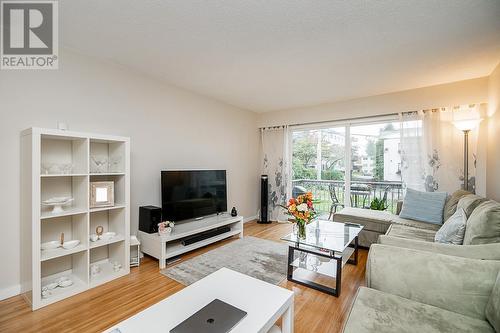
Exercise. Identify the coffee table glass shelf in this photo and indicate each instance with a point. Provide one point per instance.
(327, 247)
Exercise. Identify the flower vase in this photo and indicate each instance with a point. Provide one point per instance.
(301, 229)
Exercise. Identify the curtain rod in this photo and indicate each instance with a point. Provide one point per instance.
(273, 127)
(471, 105)
(329, 121)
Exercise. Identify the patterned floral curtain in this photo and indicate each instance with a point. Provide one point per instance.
(432, 149)
(275, 165)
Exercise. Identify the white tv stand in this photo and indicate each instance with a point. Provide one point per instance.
(169, 246)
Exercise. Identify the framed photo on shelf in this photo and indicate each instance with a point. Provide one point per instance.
(102, 194)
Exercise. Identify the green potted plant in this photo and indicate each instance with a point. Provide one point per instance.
(378, 204)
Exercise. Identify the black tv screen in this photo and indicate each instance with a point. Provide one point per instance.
(190, 194)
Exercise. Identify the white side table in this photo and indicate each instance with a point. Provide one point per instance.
(135, 260)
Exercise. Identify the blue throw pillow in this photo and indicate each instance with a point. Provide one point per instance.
(424, 206)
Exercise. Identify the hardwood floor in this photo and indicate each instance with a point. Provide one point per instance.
(100, 308)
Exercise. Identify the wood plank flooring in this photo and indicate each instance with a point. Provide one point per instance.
(101, 307)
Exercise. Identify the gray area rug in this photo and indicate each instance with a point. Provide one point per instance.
(260, 258)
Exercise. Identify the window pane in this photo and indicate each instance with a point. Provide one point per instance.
(333, 154)
(304, 154)
(376, 165)
(318, 163)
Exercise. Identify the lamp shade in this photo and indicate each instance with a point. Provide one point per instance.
(467, 124)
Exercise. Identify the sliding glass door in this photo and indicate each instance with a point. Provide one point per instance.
(349, 164)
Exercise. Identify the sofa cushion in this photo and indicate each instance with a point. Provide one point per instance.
(376, 311)
(483, 225)
(402, 231)
(424, 206)
(493, 307)
(469, 202)
(450, 206)
(366, 238)
(372, 220)
(415, 224)
(453, 230)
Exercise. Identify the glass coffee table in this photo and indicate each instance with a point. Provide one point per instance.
(328, 246)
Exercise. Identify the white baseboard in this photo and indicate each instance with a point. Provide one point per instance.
(250, 218)
(10, 291)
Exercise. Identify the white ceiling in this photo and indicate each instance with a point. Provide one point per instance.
(266, 55)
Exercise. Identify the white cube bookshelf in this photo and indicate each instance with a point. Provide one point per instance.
(57, 163)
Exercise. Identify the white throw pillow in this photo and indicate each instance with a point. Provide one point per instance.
(453, 230)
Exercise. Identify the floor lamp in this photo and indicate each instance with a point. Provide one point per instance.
(466, 126)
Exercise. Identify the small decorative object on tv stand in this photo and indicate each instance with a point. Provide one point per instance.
(165, 228)
(55, 166)
(163, 247)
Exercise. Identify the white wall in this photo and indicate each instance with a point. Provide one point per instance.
(168, 127)
(456, 93)
(493, 165)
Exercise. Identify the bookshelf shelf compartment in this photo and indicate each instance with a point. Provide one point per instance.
(107, 157)
(63, 154)
(105, 257)
(72, 187)
(119, 187)
(72, 267)
(73, 227)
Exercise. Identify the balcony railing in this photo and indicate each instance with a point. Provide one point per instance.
(362, 193)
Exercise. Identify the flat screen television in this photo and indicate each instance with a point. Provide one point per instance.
(191, 194)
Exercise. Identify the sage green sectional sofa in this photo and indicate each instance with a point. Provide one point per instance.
(483, 224)
(482, 232)
(414, 284)
(417, 291)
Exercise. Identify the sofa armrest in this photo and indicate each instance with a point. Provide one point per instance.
(483, 251)
(460, 285)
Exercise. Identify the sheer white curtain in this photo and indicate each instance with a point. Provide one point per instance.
(275, 165)
(432, 150)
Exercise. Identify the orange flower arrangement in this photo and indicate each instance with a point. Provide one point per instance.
(302, 208)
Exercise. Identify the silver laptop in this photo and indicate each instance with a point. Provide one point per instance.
(215, 317)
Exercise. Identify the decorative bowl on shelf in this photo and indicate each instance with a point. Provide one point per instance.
(50, 245)
(115, 164)
(70, 244)
(95, 269)
(56, 168)
(61, 282)
(99, 164)
(65, 283)
(117, 266)
(50, 286)
(108, 235)
(57, 203)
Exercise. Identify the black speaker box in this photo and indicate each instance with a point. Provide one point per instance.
(149, 217)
